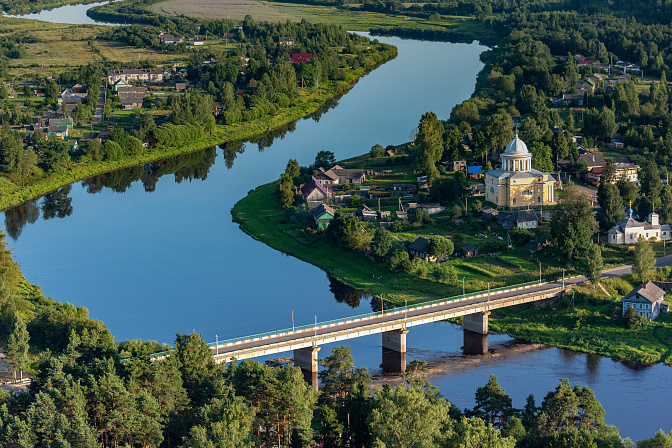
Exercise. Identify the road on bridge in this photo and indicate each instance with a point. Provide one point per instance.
(288, 337)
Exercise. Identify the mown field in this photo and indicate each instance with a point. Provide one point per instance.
(62, 46)
(353, 20)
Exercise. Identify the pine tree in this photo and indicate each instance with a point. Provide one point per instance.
(17, 347)
(493, 405)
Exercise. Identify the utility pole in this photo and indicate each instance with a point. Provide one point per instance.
(463, 294)
(292, 320)
(405, 311)
(540, 273)
(563, 278)
(315, 332)
(217, 344)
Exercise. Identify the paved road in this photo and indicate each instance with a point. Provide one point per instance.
(417, 313)
(100, 106)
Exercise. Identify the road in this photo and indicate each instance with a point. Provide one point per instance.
(414, 316)
(100, 106)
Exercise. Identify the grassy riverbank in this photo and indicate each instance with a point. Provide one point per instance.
(260, 216)
(590, 322)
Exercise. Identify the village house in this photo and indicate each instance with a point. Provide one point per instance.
(647, 300)
(469, 251)
(288, 41)
(59, 131)
(522, 219)
(366, 214)
(301, 58)
(61, 122)
(314, 193)
(455, 165)
(136, 74)
(570, 99)
(474, 172)
(628, 171)
(323, 214)
(338, 175)
(418, 249)
(170, 39)
(593, 160)
(629, 230)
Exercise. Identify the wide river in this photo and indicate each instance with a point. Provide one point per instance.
(153, 256)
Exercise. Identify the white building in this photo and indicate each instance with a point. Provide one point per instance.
(647, 300)
(629, 230)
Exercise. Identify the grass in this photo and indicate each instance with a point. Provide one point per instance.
(261, 217)
(61, 46)
(591, 323)
(352, 19)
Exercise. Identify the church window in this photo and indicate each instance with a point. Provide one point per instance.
(514, 201)
(492, 189)
(538, 198)
(527, 192)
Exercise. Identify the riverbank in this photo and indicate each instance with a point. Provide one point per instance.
(310, 101)
(590, 323)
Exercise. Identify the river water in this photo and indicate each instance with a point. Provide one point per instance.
(153, 252)
(74, 14)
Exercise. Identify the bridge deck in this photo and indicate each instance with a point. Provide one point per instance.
(391, 320)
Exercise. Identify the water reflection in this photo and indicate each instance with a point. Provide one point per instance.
(326, 107)
(57, 204)
(346, 294)
(16, 218)
(266, 140)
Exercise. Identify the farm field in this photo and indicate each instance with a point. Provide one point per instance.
(61, 46)
(353, 20)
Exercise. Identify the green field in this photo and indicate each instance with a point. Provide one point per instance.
(351, 19)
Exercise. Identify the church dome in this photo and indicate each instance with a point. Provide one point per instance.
(516, 146)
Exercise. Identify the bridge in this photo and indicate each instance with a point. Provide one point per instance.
(305, 341)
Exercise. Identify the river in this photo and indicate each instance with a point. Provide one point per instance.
(153, 252)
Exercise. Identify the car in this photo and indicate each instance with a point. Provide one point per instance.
(408, 195)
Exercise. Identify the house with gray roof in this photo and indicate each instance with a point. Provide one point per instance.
(418, 248)
(647, 300)
(338, 175)
(522, 219)
(630, 230)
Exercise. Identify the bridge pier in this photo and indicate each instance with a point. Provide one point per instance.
(475, 343)
(394, 351)
(307, 359)
(477, 322)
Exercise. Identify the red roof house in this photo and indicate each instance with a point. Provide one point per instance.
(301, 58)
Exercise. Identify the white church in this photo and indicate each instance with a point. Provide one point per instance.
(629, 230)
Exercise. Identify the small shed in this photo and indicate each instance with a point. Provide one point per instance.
(323, 214)
(474, 172)
(470, 251)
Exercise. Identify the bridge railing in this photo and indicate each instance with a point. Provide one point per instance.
(300, 328)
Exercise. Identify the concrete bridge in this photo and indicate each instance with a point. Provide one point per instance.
(394, 325)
